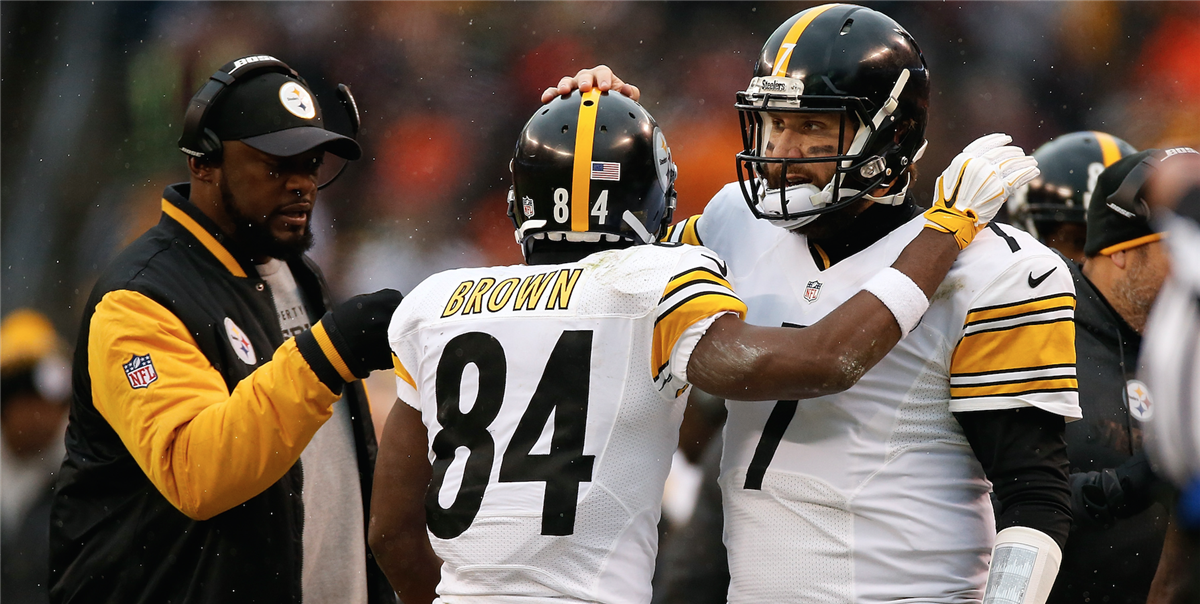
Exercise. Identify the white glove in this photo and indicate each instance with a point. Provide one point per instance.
(976, 184)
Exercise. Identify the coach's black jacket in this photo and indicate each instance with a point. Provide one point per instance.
(1117, 534)
(201, 500)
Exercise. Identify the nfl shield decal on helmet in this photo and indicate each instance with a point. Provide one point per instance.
(527, 206)
(1138, 395)
(812, 290)
(241, 344)
(140, 371)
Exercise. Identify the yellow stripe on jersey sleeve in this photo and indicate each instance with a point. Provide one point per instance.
(671, 325)
(685, 232)
(697, 275)
(1024, 307)
(1015, 348)
(1015, 388)
(401, 372)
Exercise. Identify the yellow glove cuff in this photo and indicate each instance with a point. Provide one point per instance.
(960, 223)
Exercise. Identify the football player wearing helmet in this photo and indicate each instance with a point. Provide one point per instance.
(880, 493)
(1053, 207)
(603, 330)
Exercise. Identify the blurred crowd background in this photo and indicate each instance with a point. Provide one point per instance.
(93, 95)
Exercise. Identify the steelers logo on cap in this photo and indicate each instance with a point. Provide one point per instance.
(297, 100)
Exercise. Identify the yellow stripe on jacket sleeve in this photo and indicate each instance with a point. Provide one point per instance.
(205, 449)
(339, 364)
(671, 325)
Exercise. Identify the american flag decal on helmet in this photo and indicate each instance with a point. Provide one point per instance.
(606, 170)
(140, 371)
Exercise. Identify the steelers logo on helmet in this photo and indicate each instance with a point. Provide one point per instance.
(662, 159)
(297, 100)
(857, 74)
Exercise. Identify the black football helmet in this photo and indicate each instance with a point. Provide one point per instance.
(1070, 165)
(843, 59)
(591, 171)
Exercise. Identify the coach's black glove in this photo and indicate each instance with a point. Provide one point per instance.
(1099, 499)
(351, 340)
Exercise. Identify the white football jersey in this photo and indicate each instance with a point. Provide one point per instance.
(874, 494)
(553, 396)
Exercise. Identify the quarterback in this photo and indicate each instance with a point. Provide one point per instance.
(880, 493)
(542, 402)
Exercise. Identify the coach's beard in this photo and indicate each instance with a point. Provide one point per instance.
(256, 238)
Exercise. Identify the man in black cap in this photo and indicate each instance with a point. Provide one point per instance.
(1117, 532)
(220, 446)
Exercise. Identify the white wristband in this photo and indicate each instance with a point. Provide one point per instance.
(901, 296)
(1024, 565)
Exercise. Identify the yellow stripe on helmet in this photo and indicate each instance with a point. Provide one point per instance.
(784, 55)
(1108, 147)
(581, 180)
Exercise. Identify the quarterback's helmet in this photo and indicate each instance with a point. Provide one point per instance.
(842, 59)
(591, 171)
(1070, 165)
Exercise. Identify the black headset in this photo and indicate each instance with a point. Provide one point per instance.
(203, 143)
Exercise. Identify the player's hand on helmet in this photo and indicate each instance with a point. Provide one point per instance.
(356, 331)
(973, 188)
(600, 76)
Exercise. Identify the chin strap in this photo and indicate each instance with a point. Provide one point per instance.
(637, 227)
(896, 198)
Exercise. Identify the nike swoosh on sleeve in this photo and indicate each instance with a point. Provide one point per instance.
(1038, 281)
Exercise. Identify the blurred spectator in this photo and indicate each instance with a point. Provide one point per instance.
(35, 381)
(1117, 531)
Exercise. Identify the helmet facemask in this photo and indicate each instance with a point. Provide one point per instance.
(869, 161)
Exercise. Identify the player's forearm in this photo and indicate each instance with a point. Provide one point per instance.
(397, 533)
(927, 259)
(408, 562)
(739, 361)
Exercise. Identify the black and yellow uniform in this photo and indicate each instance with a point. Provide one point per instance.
(1118, 528)
(190, 411)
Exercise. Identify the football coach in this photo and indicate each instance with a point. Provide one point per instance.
(220, 446)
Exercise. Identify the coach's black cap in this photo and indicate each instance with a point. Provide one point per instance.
(1118, 217)
(276, 114)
